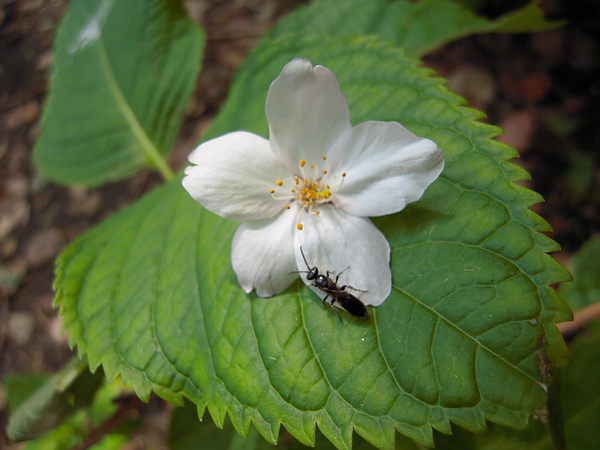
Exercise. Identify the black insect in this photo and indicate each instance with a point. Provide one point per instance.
(337, 293)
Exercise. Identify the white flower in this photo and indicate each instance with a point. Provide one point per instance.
(312, 185)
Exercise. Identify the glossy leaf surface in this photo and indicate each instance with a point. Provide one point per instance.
(150, 293)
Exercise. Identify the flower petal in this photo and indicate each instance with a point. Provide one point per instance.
(334, 241)
(306, 111)
(233, 176)
(262, 254)
(386, 167)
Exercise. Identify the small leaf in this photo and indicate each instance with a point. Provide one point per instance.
(187, 433)
(75, 429)
(418, 27)
(581, 392)
(151, 296)
(54, 402)
(585, 267)
(123, 73)
(20, 387)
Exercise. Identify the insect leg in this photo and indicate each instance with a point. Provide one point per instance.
(333, 308)
(338, 314)
(338, 275)
(343, 288)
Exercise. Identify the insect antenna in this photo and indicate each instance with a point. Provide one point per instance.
(304, 258)
(305, 262)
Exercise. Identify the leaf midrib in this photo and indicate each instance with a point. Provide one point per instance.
(150, 152)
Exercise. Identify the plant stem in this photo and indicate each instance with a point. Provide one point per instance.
(555, 418)
(581, 319)
(161, 165)
(126, 406)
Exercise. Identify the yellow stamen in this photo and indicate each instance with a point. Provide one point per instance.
(309, 190)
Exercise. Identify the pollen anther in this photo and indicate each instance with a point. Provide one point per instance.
(309, 190)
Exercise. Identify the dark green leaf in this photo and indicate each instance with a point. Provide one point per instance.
(187, 433)
(19, 387)
(585, 288)
(581, 393)
(55, 401)
(418, 27)
(74, 430)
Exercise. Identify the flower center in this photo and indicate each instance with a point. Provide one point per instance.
(309, 189)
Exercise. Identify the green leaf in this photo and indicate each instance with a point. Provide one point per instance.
(187, 433)
(581, 399)
(581, 410)
(54, 401)
(418, 27)
(20, 387)
(74, 430)
(150, 293)
(123, 73)
(585, 268)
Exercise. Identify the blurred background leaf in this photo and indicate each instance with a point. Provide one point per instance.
(585, 267)
(186, 432)
(418, 27)
(123, 73)
(51, 403)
